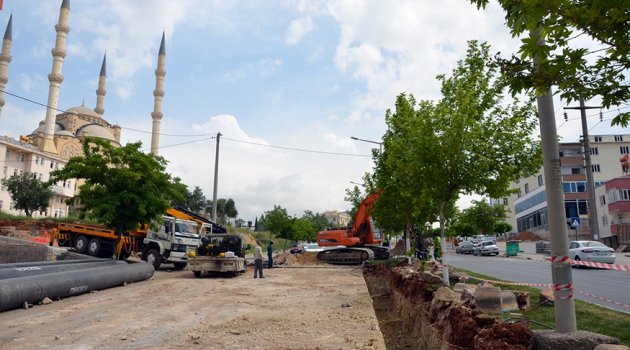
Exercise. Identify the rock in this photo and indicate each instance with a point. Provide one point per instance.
(488, 299)
(508, 301)
(611, 347)
(431, 278)
(46, 301)
(580, 340)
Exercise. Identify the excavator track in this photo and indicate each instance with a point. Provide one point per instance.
(346, 256)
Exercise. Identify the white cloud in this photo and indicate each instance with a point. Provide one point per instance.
(298, 28)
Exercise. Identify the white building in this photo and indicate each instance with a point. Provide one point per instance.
(527, 209)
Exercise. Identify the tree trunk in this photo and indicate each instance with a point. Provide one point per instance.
(443, 246)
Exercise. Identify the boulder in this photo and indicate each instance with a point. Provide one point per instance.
(488, 299)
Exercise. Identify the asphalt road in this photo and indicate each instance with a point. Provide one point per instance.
(608, 284)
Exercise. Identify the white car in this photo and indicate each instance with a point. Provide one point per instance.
(312, 247)
(591, 251)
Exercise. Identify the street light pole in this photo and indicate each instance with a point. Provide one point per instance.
(380, 144)
(216, 180)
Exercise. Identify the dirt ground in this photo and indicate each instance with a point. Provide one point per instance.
(295, 307)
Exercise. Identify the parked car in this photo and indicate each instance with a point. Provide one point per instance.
(486, 248)
(591, 251)
(312, 247)
(464, 247)
(296, 249)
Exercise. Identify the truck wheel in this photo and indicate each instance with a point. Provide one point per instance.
(153, 257)
(197, 273)
(94, 247)
(179, 266)
(81, 244)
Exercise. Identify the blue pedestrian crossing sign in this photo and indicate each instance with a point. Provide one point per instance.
(575, 222)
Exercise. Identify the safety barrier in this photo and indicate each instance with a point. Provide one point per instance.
(567, 260)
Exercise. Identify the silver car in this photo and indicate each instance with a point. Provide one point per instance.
(486, 248)
(591, 251)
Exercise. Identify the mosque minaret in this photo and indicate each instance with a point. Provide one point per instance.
(56, 78)
(100, 92)
(158, 95)
(5, 59)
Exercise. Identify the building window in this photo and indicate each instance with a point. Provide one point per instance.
(540, 180)
(15, 172)
(602, 200)
(604, 220)
(5, 171)
(52, 164)
(575, 171)
(598, 139)
(1, 203)
(505, 201)
(526, 188)
(624, 149)
(594, 151)
(618, 138)
(595, 168)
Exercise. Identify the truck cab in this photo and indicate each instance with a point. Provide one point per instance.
(171, 242)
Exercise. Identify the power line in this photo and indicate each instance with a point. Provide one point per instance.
(298, 149)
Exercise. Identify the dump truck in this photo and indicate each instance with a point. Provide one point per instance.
(219, 253)
(170, 243)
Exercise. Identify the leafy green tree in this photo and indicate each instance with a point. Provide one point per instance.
(577, 70)
(28, 193)
(318, 222)
(354, 196)
(470, 141)
(122, 187)
(196, 200)
(276, 220)
(502, 227)
(303, 230)
(483, 217)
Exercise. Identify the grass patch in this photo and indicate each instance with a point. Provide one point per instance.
(589, 317)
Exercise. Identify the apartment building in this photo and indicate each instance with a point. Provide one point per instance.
(18, 157)
(337, 218)
(527, 208)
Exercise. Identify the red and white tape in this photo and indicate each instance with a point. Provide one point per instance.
(605, 299)
(566, 260)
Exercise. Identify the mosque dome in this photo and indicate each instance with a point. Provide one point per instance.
(82, 110)
(95, 130)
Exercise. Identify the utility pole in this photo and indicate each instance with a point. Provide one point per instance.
(561, 275)
(216, 180)
(590, 182)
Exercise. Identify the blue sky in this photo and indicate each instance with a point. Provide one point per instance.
(269, 75)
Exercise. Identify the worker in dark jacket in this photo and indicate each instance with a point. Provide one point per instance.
(270, 254)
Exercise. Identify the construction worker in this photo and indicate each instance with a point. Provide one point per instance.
(270, 254)
(258, 261)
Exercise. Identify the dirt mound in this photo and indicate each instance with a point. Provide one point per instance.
(25, 228)
(306, 258)
(399, 249)
(526, 236)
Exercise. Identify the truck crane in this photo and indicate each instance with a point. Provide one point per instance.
(361, 241)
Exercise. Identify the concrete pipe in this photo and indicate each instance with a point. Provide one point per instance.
(23, 271)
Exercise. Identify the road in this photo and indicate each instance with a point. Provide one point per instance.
(608, 284)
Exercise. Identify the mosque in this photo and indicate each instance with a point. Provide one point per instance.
(60, 135)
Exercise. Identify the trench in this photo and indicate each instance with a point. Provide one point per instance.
(414, 312)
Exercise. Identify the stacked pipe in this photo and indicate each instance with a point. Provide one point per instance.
(31, 282)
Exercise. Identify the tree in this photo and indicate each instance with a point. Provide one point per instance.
(226, 209)
(196, 200)
(502, 227)
(577, 70)
(276, 220)
(122, 187)
(28, 193)
(354, 196)
(470, 141)
(483, 217)
(318, 222)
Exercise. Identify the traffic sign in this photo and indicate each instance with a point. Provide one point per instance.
(575, 221)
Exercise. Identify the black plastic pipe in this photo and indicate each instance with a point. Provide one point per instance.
(50, 262)
(23, 271)
(14, 292)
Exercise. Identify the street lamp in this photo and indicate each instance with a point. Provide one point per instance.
(380, 144)
(356, 183)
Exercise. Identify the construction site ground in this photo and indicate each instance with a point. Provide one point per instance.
(300, 306)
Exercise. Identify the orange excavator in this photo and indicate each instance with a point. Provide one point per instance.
(361, 241)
